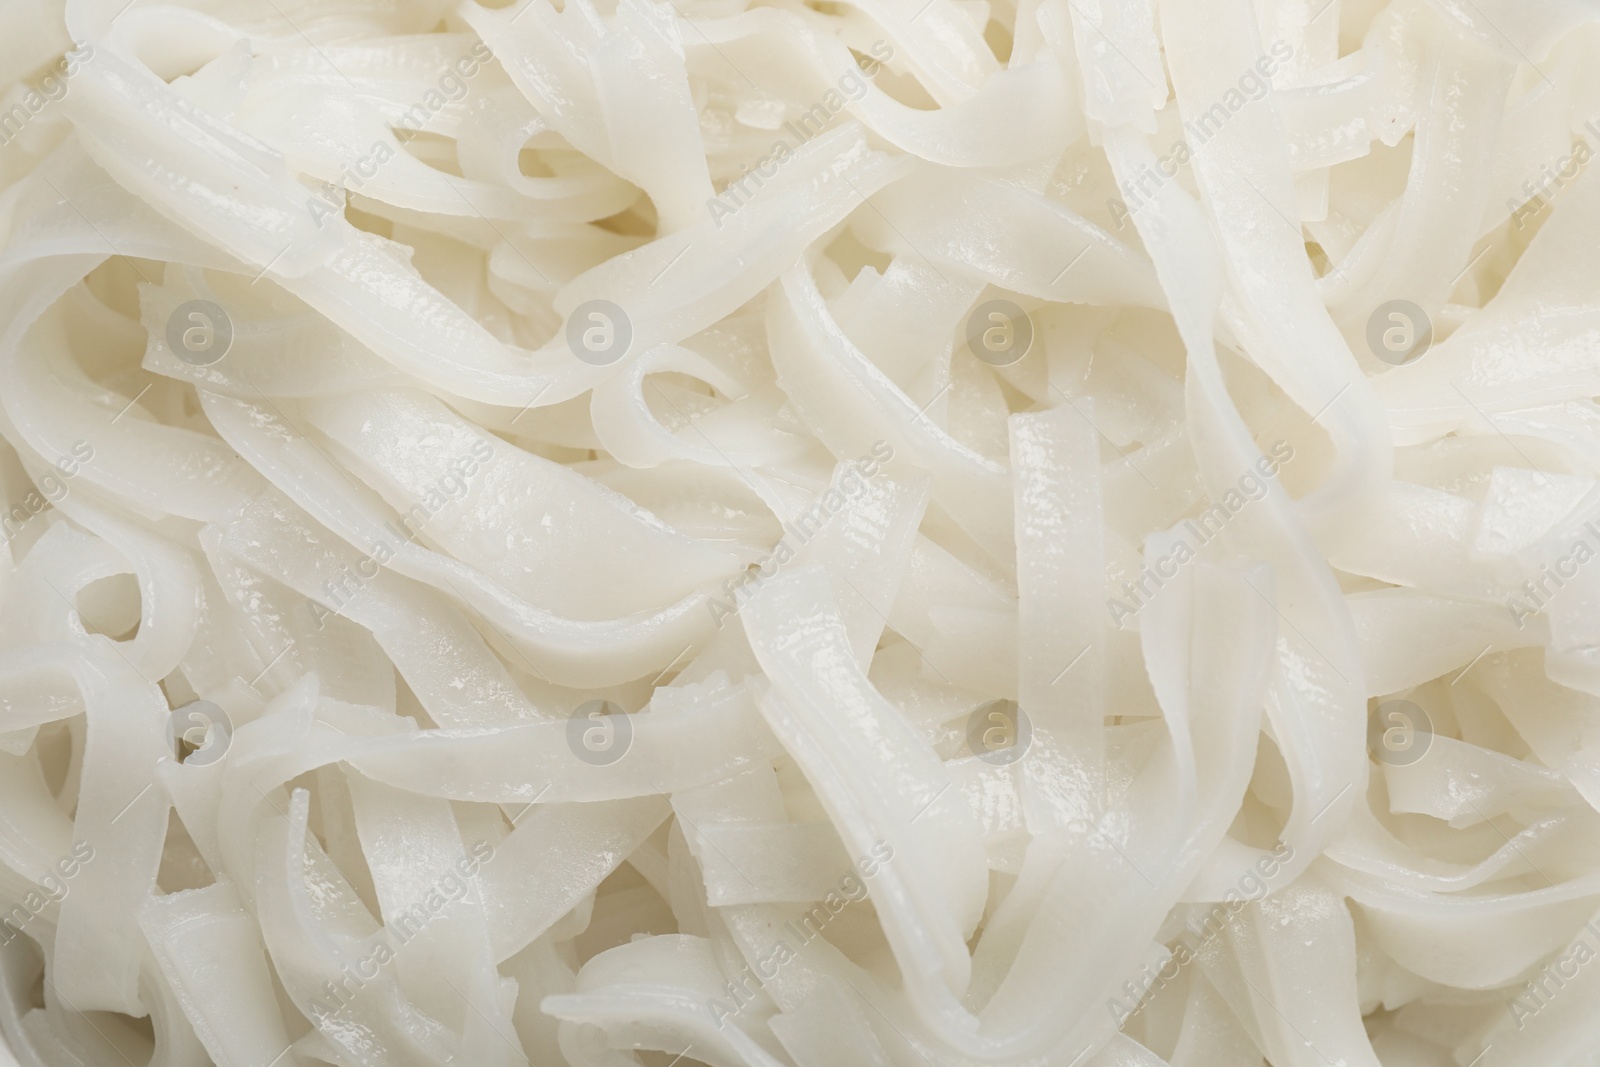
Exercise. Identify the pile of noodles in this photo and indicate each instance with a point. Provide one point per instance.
(800, 533)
